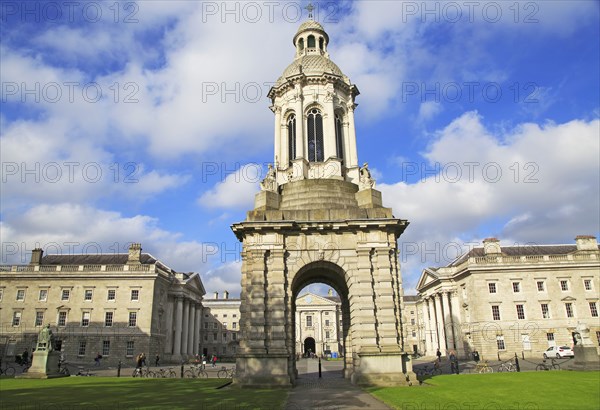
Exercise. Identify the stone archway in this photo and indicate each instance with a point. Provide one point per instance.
(310, 346)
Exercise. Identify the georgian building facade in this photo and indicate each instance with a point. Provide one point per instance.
(117, 305)
(318, 325)
(502, 300)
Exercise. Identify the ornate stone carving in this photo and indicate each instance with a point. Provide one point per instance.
(366, 181)
(269, 183)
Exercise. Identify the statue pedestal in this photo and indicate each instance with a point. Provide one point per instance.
(586, 357)
(43, 366)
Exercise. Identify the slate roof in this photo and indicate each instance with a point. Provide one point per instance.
(102, 259)
(411, 298)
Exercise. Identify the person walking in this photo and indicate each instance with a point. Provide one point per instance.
(453, 362)
(25, 357)
(214, 361)
(439, 355)
(156, 360)
(97, 359)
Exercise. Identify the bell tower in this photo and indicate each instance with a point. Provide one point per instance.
(318, 219)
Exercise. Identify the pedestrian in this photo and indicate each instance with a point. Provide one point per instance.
(143, 359)
(476, 356)
(214, 361)
(204, 361)
(25, 357)
(97, 359)
(156, 360)
(453, 362)
(138, 365)
(439, 355)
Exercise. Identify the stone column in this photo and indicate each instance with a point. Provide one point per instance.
(456, 330)
(280, 152)
(168, 348)
(178, 327)
(447, 320)
(329, 140)
(439, 323)
(300, 137)
(197, 327)
(363, 318)
(426, 328)
(192, 326)
(352, 160)
(388, 327)
(185, 324)
(276, 308)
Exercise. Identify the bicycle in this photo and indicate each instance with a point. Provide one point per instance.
(164, 373)
(195, 372)
(507, 367)
(140, 372)
(430, 371)
(225, 373)
(7, 371)
(545, 366)
(483, 367)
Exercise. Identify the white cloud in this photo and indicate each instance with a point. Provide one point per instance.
(428, 110)
(227, 277)
(533, 184)
(236, 191)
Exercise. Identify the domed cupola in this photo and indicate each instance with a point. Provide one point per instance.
(313, 102)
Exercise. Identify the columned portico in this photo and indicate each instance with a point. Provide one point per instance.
(178, 327)
(439, 323)
(447, 320)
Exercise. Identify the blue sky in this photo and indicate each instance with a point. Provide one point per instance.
(148, 122)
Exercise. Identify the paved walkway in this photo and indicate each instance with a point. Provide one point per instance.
(330, 392)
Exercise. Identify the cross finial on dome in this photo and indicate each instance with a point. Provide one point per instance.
(310, 9)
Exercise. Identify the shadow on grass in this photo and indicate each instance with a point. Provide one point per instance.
(119, 393)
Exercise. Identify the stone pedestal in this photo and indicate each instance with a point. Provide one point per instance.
(586, 357)
(262, 370)
(43, 366)
(369, 198)
(377, 369)
(266, 200)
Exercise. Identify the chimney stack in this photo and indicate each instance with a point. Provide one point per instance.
(216, 295)
(135, 254)
(36, 256)
(225, 295)
(491, 246)
(586, 243)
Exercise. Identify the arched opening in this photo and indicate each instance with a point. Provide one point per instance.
(301, 44)
(339, 136)
(315, 135)
(291, 126)
(311, 41)
(321, 41)
(309, 347)
(321, 315)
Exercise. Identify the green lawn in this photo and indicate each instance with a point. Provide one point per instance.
(522, 391)
(127, 393)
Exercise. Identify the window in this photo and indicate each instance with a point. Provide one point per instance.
(308, 321)
(129, 348)
(43, 295)
(541, 286)
(520, 312)
(20, 295)
(215, 326)
(106, 348)
(315, 136)
(327, 335)
(108, 319)
(135, 294)
(132, 319)
(545, 311)
(412, 322)
(39, 318)
(492, 287)
(234, 325)
(414, 334)
(496, 312)
(215, 337)
(65, 294)
(233, 336)
(326, 313)
(550, 337)
(291, 125)
(205, 325)
(412, 312)
(88, 294)
(311, 43)
(58, 345)
(62, 318)
(81, 348)
(301, 44)
(500, 342)
(225, 315)
(224, 325)
(593, 309)
(234, 315)
(16, 318)
(598, 336)
(85, 319)
(587, 284)
(216, 315)
(205, 337)
(327, 322)
(516, 287)
(569, 309)
(321, 41)
(564, 285)
(339, 137)
(224, 337)
(112, 294)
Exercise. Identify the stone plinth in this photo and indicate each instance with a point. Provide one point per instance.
(586, 357)
(378, 369)
(266, 200)
(263, 370)
(43, 366)
(369, 198)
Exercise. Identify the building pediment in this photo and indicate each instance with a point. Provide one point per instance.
(568, 299)
(194, 284)
(311, 299)
(428, 278)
